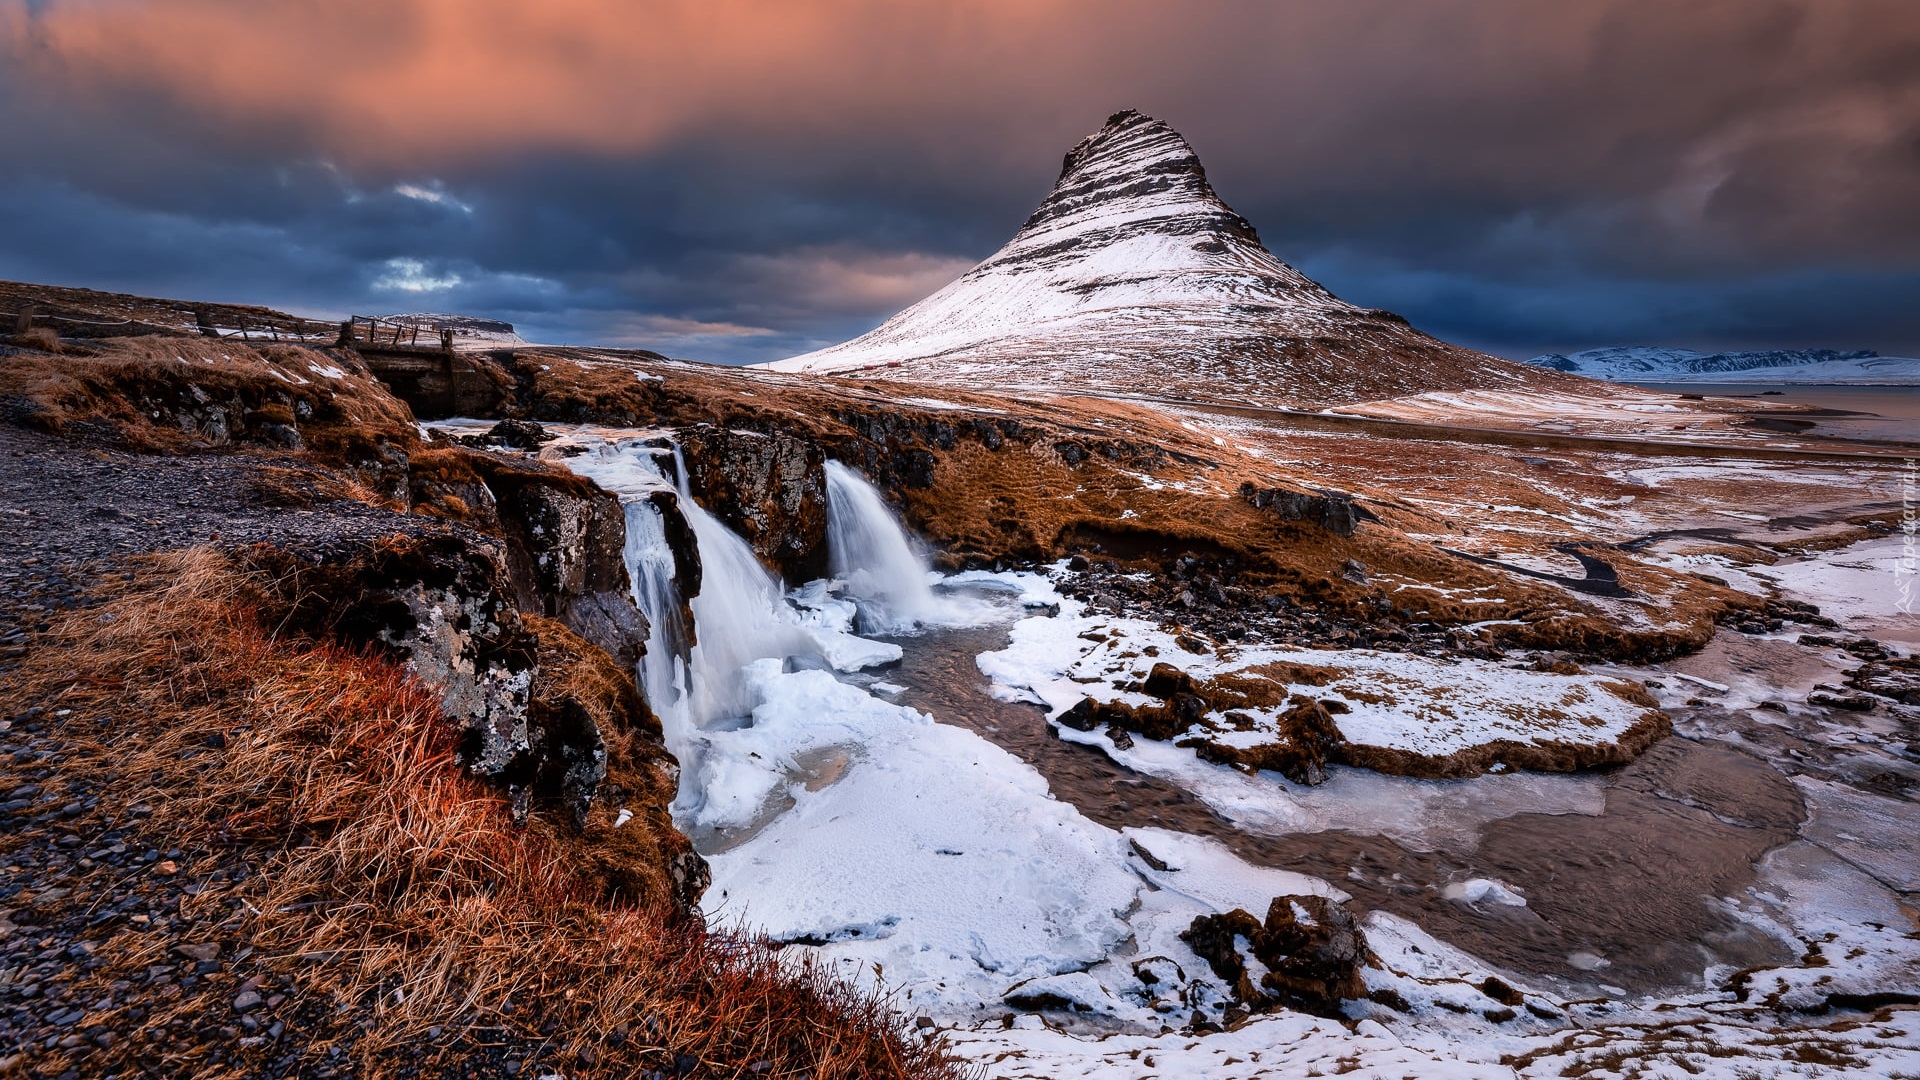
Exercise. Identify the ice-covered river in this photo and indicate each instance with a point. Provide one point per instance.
(866, 768)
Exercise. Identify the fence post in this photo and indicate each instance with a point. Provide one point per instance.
(24, 321)
(203, 319)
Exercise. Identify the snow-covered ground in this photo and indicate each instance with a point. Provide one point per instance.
(1425, 708)
(1617, 412)
(939, 866)
(925, 859)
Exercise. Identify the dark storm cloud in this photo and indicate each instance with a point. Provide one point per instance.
(735, 181)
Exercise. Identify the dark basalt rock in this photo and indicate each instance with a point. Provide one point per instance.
(1311, 947)
(1160, 722)
(1499, 990)
(440, 604)
(446, 604)
(686, 567)
(771, 488)
(565, 540)
(519, 434)
(1165, 681)
(1336, 513)
(1895, 677)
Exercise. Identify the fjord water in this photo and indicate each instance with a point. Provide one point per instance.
(1871, 413)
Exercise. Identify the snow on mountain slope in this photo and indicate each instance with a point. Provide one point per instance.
(1133, 277)
(1640, 363)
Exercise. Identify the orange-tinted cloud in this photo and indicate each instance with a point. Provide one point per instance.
(748, 162)
(1716, 103)
(411, 78)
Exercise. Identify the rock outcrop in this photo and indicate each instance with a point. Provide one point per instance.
(770, 487)
(563, 536)
(173, 395)
(564, 539)
(1335, 512)
(1310, 946)
(1307, 742)
(545, 713)
(440, 604)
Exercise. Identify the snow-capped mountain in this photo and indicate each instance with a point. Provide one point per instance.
(1643, 363)
(1134, 277)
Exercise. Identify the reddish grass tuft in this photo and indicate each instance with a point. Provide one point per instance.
(390, 887)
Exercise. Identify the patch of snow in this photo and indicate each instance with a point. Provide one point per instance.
(1397, 701)
(979, 878)
(1483, 891)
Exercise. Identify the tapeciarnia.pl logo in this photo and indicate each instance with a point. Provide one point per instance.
(1909, 564)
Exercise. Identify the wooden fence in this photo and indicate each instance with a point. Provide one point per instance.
(360, 331)
(364, 330)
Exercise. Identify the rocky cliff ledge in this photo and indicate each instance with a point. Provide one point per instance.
(478, 571)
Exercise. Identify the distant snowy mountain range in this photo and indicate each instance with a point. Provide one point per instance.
(1133, 277)
(1645, 363)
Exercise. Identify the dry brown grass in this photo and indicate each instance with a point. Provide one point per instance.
(389, 886)
(43, 338)
(298, 487)
(140, 386)
(560, 388)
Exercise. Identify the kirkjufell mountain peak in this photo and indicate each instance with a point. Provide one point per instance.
(1134, 277)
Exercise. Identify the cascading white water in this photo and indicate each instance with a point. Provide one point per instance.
(694, 676)
(740, 614)
(650, 566)
(630, 469)
(869, 553)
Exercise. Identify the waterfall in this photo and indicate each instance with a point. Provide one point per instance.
(740, 612)
(692, 676)
(869, 553)
(650, 565)
(630, 468)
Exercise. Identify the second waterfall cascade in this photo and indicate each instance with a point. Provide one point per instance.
(875, 565)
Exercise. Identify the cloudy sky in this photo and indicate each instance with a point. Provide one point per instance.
(737, 181)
